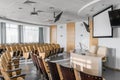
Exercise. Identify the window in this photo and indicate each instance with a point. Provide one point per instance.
(31, 34)
(11, 33)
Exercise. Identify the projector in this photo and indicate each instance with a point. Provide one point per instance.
(34, 13)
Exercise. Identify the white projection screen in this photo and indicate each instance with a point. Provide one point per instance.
(101, 24)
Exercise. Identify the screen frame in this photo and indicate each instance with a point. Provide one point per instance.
(110, 7)
(110, 12)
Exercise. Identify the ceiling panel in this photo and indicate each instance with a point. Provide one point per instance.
(70, 8)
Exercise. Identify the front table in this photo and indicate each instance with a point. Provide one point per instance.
(87, 63)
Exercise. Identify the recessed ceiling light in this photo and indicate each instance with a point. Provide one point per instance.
(87, 15)
(103, 4)
(68, 20)
(20, 8)
(51, 8)
(91, 10)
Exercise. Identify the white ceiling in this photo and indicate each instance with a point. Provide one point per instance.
(10, 9)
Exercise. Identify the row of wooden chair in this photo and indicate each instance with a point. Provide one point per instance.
(51, 71)
(40, 64)
(9, 67)
(23, 50)
(68, 73)
(10, 58)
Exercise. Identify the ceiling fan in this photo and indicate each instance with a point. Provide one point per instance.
(29, 2)
(35, 12)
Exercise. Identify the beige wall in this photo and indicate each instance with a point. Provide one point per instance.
(53, 34)
(70, 36)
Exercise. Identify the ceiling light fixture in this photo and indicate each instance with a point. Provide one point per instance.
(85, 6)
(51, 8)
(20, 8)
(29, 2)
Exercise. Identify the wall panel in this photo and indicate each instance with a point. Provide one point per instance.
(62, 35)
(70, 36)
(81, 36)
(93, 41)
(53, 34)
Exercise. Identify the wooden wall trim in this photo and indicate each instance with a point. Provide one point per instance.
(70, 36)
(53, 34)
(93, 41)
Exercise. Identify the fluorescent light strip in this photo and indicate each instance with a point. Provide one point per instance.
(92, 2)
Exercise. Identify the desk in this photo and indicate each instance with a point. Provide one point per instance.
(86, 63)
(61, 59)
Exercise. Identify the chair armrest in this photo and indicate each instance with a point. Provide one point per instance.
(15, 59)
(12, 65)
(18, 69)
(9, 62)
(21, 75)
(15, 65)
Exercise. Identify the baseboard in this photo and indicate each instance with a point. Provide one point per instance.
(111, 68)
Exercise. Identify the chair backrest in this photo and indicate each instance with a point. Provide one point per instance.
(36, 61)
(93, 49)
(68, 73)
(33, 59)
(53, 71)
(85, 76)
(42, 66)
(102, 51)
(4, 63)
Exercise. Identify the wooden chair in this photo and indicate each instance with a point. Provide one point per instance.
(17, 77)
(42, 66)
(36, 61)
(8, 64)
(14, 51)
(2, 51)
(53, 71)
(19, 50)
(42, 50)
(68, 73)
(8, 48)
(54, 48)
(35, 47)
(85, 76)
(33, 59)
(59, 49)
(51, 49)
(93, 49)
(102, 52)
(45, 49)
(8, 72)
(10, 60)
(26, 53)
